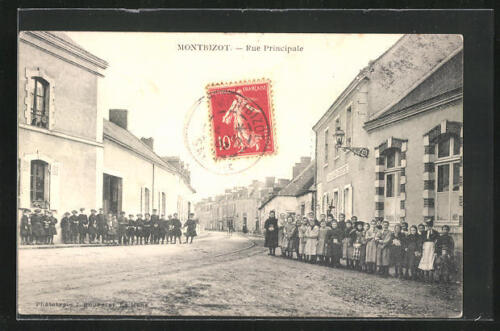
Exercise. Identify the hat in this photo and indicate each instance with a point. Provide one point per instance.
(26, 210)
(66, 213)
(356, 223)
(82, 209)
(74, 212)
(37, 210)
(93, 210)
(429, 221)
(122, 213)
(130, 215)
(139, 214)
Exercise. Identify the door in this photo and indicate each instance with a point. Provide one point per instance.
(112, 194)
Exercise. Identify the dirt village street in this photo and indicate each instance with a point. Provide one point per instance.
(217, 275)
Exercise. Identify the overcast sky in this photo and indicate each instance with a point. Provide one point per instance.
(158, 84)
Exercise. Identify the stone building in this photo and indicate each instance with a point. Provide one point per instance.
(406, 108)
(69, 157)
(297, 197)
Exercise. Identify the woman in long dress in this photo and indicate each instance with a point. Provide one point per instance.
(371, 247)
(384, 239)
(334, 244)
(321, 245)
(293, 244)
(311, 241)
(271, 236)
(287, 235)
(428, 250)
(302, 238)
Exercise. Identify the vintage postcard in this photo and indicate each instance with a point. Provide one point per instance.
(240, 174)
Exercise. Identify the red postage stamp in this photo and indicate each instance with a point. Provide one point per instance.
(241, 115)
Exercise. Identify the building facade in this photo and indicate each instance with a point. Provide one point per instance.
(69, 157)
(406, 108)
(59, 126)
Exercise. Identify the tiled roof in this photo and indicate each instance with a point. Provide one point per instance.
(126, 138)
(444, 79)
(300, 185)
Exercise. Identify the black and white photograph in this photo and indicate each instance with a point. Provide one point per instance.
(240, 174)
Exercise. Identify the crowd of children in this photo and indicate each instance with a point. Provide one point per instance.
(39, 228)
(418, 252)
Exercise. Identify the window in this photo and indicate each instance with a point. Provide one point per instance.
(39, 183)
(447, 178)
(164, 202)
(392, 179)
(348, 126)
(348, 202)
(146, 200)
(326, 146)
(40, 107)
(335, 203)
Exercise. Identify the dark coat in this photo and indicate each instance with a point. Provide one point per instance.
(397, 252)
(413, 250)
(25, 226)
(83, 223)
(73, 224)
(445, 242)
(37, 225)
(271, 238)
(101, 224)
(191, 228)
(52, 226)
(163, 227)
(334, 243)
(139, 227)
(177, 227)
(93, 224)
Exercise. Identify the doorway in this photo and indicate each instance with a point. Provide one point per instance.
(112, 194)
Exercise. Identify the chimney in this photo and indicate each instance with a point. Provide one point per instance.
(283, 182)
(305, 160)
(269, 181)
(148, 141)
(118, 117)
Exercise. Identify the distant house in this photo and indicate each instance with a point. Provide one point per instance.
(296, 198)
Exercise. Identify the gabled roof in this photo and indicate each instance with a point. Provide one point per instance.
(303, 183)
(444, 79)
(126, 139)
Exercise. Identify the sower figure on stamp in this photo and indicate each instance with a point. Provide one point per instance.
(83, 225)
(92, 225)
(101, 226)
(191, 228)
(176, 229)
(239, 110)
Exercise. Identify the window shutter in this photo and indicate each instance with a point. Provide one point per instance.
(141, 201)
(53, 180)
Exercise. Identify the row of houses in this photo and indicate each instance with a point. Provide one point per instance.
(390, 145)
(246, 208)
(69, 155)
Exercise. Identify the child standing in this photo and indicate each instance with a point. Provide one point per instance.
(311, 241)
(445, 246)
(320, 247)
(358, 238)
(346, 243)
(334, 247)
(413, 251)
(371, 247)
(302, 239)
(397, 251)
(384, 238)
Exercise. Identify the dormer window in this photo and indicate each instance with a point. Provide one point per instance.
(40, 106)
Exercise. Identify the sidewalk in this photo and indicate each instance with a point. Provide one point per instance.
(61, 245)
